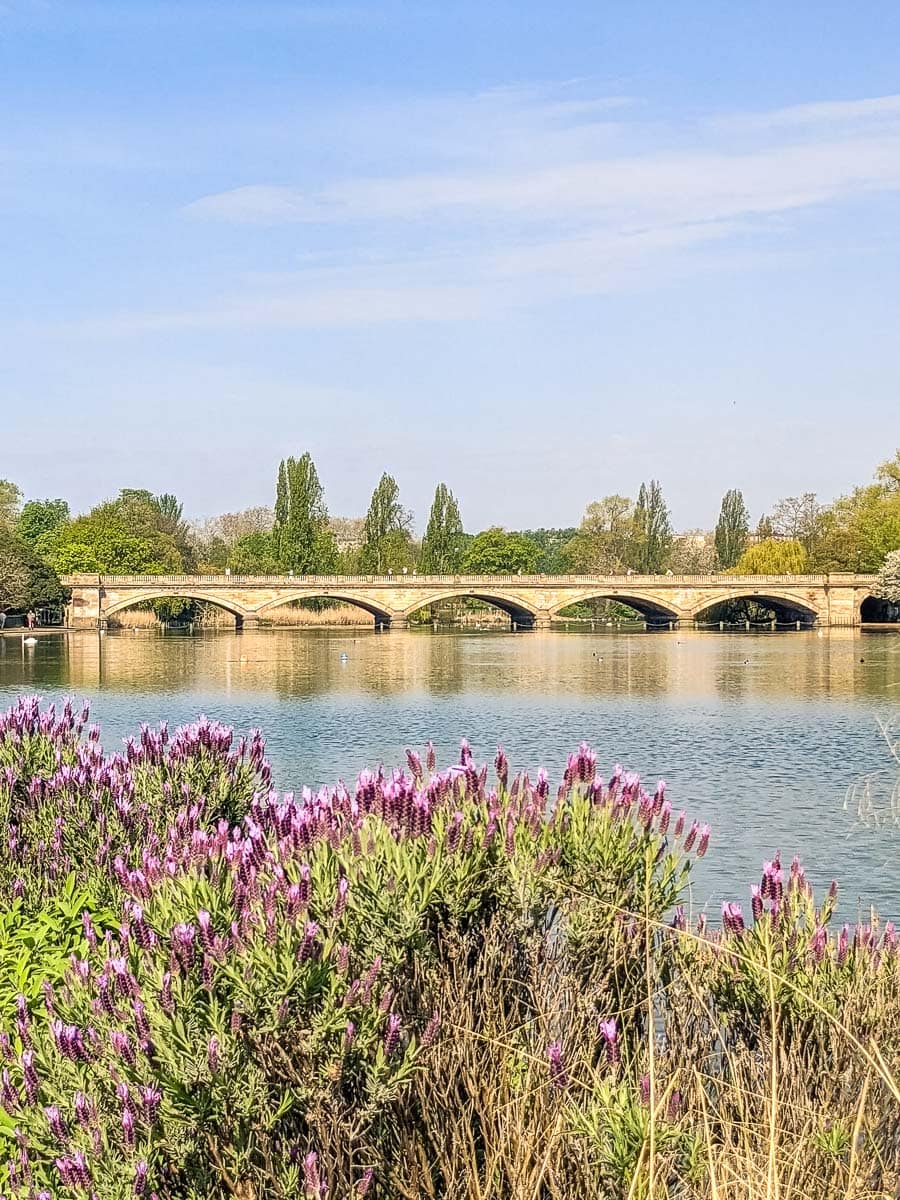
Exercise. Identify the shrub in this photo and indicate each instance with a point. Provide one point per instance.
(431, 984)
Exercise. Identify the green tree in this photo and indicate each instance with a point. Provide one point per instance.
(25, 580)
(773, 557)
(604, 543)
(39, 517)
(552, 544)
(496, 552)
(119, 537)
(254, 554)
(442, 546)
(864, 527)
(652, 529)
(10, 499)
(732, 529)
(171, 521)
(301, 538)
(387, 528)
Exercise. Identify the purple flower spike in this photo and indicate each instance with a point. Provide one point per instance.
(703, 844)
(610, 1033)
(362, 1188)
(9, 1096)
(124, 1094)
(213, 1054)
(311, 1173)
(30, 1077)
(204, 924)
(501, 763)
(309, 948)
(121, 1044)
(431, 1031)
(645, 1090)
(57, 1124)
(558, 1075)
(732, 918)
(392, 1035)
(340, 902)
(140, 1178)
(151, 1098)
(80, 1170)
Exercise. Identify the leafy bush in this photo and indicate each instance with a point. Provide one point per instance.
(430, 984)
(70, 809)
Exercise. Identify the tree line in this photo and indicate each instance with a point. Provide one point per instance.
(140, 532)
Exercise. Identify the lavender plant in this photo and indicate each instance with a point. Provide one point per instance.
(71, 810)
(431, 983)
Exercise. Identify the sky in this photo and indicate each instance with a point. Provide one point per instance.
(539, 251)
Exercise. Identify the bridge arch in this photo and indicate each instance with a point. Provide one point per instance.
(650, 607)
(186, 593)
(786, 605)
(874, 611)
(523, 614)
(382, 615)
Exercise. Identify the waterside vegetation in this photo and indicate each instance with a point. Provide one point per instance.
(439, 983)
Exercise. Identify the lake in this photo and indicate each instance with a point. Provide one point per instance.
(760, 734)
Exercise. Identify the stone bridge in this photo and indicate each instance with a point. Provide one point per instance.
(531, 601)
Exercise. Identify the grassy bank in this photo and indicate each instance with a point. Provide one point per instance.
(438, 983)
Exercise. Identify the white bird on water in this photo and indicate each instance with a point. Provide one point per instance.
(29, 641)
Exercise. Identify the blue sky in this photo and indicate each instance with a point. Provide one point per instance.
(539, 251)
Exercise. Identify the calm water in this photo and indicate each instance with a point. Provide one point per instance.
(760, 735)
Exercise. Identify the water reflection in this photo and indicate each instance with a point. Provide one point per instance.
(841, 662)
(759, 734)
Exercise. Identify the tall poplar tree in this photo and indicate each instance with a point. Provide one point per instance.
(732, 529)
(302, 540)
(442, 546)
(652, 528)
(387, 529)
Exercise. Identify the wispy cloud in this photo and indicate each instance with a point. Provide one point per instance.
(686, 186)
(615, 206)
(826, 112)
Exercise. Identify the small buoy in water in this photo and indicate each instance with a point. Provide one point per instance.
(243, 658)
(343, 657)
(820, 633)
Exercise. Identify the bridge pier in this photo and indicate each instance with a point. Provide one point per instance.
(244, 623)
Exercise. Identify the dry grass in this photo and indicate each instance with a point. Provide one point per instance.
(778, 1117)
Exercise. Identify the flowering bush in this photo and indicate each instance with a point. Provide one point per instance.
(70, 809)
(430, 984)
